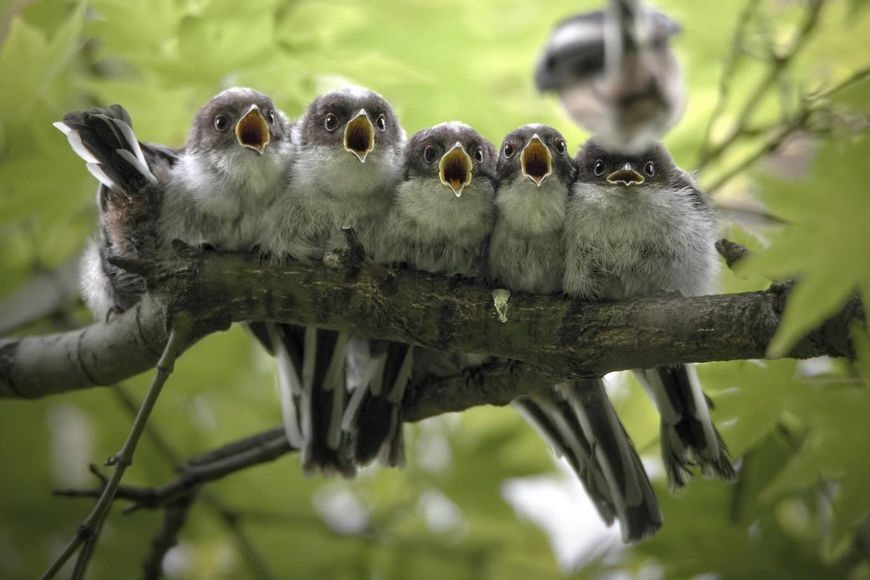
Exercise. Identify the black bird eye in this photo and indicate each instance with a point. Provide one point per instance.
(221, 123)
(508, 150)
(599, 167)
(271, 117)
(330, 123)
(429, 154)
(478, 153)
(561, 148)
(381, 122)
(649, 168)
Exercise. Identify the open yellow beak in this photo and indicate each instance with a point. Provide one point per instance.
(455, 169)
(359, 136)
(252, 130)
(536, 161)
(626, 176)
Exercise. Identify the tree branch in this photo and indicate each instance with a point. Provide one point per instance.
(558, 336)
(88, 532)
(174, 518)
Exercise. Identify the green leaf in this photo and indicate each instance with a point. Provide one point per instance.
(750, 397)
(825, 244)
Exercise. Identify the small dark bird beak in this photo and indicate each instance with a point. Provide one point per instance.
(252, 130)
(626, 176)
(455, 168)
(536, 160)
(359, 136)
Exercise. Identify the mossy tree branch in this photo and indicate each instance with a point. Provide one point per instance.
(554, 336)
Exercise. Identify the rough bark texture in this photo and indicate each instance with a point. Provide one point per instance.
(553, 335)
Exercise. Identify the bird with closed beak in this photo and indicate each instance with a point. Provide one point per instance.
(637, 225)
(213, 191)
(349, 160)
(527, 254)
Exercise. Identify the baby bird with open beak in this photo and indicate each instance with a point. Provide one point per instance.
(527, 253)
(444, 209)
(534, 176)
(231, 173)
(215, 190)
(349, 161)
(440, 222)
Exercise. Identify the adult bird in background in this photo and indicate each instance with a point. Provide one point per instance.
(214, 191)
(349, 159)
(616, 73)
(637, 225)
(527, 254)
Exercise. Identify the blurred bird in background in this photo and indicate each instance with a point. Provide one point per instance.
(616, 74)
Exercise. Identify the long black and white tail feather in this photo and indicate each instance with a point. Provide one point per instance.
(365, 362)
(554, 420)
(324, 399)
(127, 199)
(378, 375)
(104, 139)
(284, 346)
(688, 436)
(634, 499)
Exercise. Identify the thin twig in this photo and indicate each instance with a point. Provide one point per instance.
(729, 68)
(239, 455)
(88, 532)
(207, 497)
(767, 147)
(778, 66)
(174, 518)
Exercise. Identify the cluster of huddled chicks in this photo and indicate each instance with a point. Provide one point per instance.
(527, 216)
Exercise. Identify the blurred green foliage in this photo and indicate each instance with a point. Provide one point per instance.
(800, 509)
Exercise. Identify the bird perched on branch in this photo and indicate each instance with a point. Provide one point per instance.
(349, 159)
(616, 74)
(132, 177)
(444, 210)
(440, 222)
(637, 225)
(527, 254)
(214, 191)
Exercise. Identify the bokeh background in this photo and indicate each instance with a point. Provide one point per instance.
(482, 496)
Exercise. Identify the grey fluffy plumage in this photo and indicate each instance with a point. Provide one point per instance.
(430, 227)
(639, 226)
(348, 162)
(209, 192)
(439, 222)
(329, 187)
(220, 193)
(526, 254)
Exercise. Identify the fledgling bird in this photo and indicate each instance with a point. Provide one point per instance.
(439, 222)
(349, 159)
(231, 173)
(616, 74)
(639, 226)
(214, 191)
(444, 210)
(527, 254)
(132, 177)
